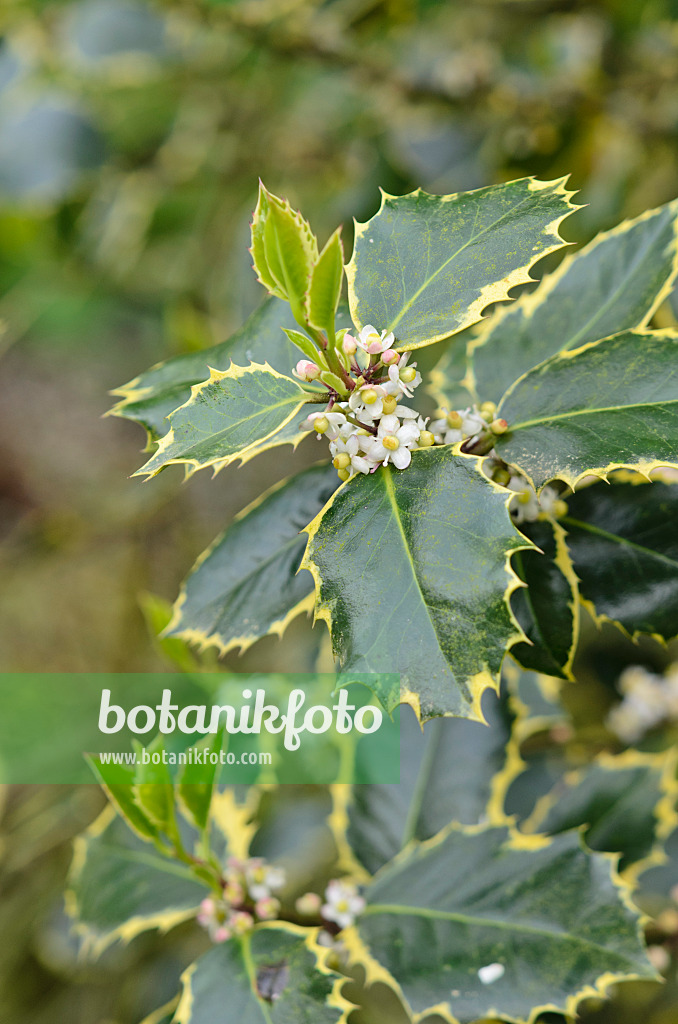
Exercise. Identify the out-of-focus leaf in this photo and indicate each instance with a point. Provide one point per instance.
(426, 266)
(552, 915)
(410, 571)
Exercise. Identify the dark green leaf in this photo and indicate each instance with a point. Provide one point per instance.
(612, 285)
(426, 266)
(270, 976)
(410, 572)
(551, 915)
(446, 773)
(607, 405)
(246, 584)
(548, 607)
(234, 414)
(624, 546)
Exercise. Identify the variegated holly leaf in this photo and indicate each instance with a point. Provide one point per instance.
(236, 414)
(411, 577)
(485, 923)
(151, 397)
(547, 608)
(623, 543)
(273, 975)
(624, 803)
(614, 284)
(427, 266)
(120, 886)
(607, 405)
(247, 583)
(446, 773)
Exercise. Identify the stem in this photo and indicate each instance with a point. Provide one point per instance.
(357, 423)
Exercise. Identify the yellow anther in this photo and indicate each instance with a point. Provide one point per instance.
(454, 420)
(389, 405)
(369, 396)
(560, 508)
(343, 474)
(499, 426)
(426, 439)
(501, 476)
(342, 460)
(407, 374)
(524, 498)
(321, 424)
(390, 442)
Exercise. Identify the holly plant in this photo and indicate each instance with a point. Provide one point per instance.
(487, 476)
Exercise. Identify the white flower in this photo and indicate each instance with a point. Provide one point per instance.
(372, 341)
(396, 384)
(262, 879)
(351, 448)
(213, 916)
(524, 507)
(343, 904)
(444, 433)
(393, 442)
(472, 422)
(367, 410)
(549, 499)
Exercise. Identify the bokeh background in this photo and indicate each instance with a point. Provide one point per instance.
(132, 135)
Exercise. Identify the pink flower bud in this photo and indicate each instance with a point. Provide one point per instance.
(374, 348)
(307, 370)
(267, 908)
(222, 934)
(390, 357)
(349, 344)
(308, 905)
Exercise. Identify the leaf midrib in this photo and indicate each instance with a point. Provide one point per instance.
(449, 915)
(408, 305)
(615, 538)
(218, 435)
(555, 418)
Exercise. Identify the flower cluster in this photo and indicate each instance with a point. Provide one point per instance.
(368, 426)
(246, 897)
(648, 701)
(342, 905)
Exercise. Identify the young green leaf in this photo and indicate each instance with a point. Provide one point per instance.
(548, 607)
(325, 290)
(446, 772)
(614, 284)
(119, 887)
(239, 411)
(623, 543)
(550, 919)
(271, 975)
(195, 783)
(411, 577)
(153, 789)
(246, 584)
(427, 266)
(258, 250)
(304, 343)
(118, 782)
(284, 251)
(608, 405)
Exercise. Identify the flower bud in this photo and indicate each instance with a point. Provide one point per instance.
(267, 908)
(240, 923)
(308, 905)
(307, 370)
(426, 439)
(489, 407)
(369, 396)
(391, 443)
(234, 893)
(454, 420)
(389, 405)
(501, 476)
(222, 934)
(321, 424)
(498, 426)
(390, 357)
(342, 460)
(343, 475)
(349, 344)
(407, 374)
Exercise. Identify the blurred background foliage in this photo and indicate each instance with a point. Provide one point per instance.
(132, 135)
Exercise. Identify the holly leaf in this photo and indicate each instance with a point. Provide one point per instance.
(273, 975)
(447, 768)
(614, 284)
(553, 921)
(233, 415)
(325, 290)
(624, 803)
(623, 544)
(547, 608)
(246, 584)
(605, 406)
(119, 886)
(117, 781)
(427, 266)
(411, 577)
(446, 381)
